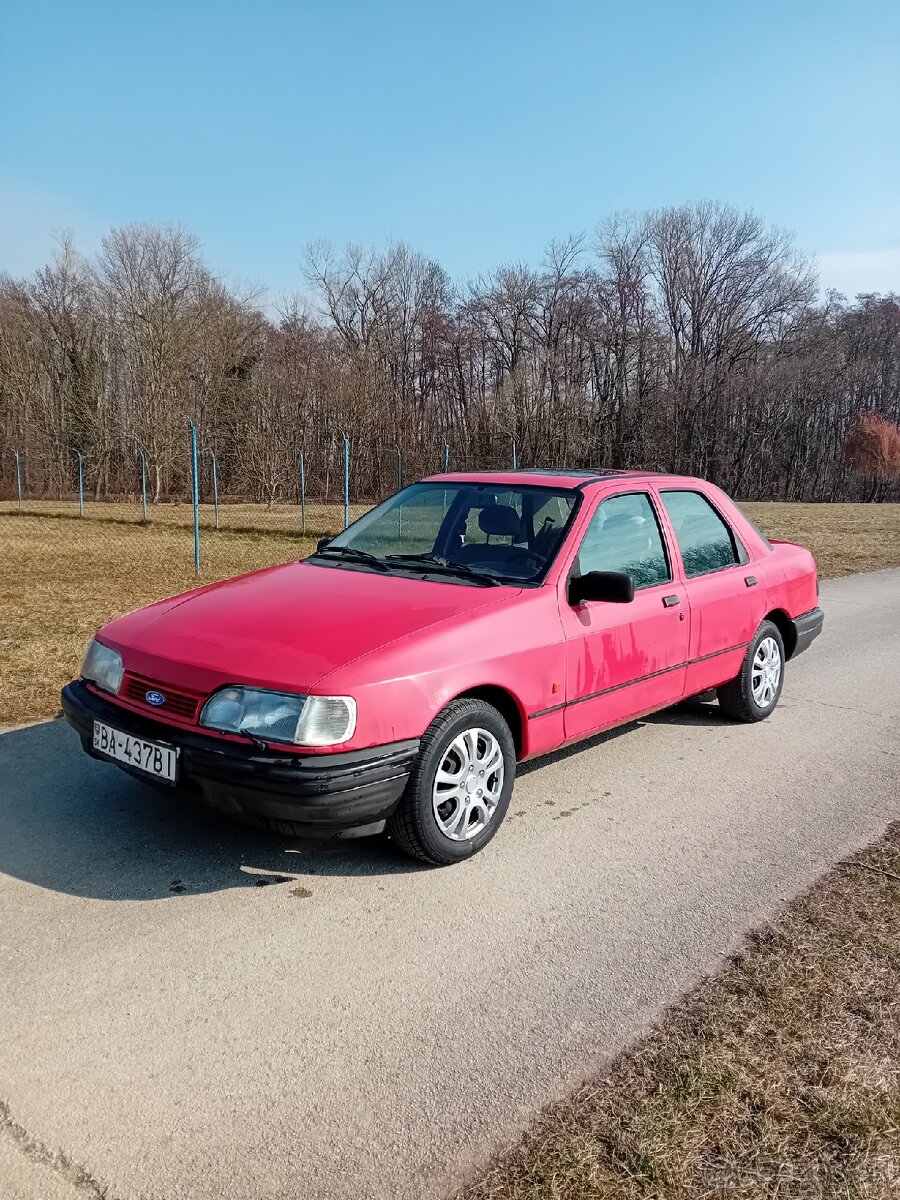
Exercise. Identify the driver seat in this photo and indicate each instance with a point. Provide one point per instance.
(494, 520)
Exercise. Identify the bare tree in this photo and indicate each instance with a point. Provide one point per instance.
(150, 282)
(689, 338)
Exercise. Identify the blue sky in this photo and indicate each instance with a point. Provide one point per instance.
(475, 131)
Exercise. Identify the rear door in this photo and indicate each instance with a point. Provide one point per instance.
(726, 605)
(624, 659)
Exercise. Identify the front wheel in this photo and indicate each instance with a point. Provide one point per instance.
(460, 786)
(754, 692)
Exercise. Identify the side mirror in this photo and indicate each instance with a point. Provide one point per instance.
(322, 543)
(615, 587)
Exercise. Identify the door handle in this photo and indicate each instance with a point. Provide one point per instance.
(670, 601)
(750, 580)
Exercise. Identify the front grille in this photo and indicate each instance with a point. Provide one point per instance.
(178, 703)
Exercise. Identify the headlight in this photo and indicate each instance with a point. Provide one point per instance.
(103, 667)
(281, 716)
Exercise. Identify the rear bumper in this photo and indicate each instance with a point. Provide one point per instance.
(344, 794)
(807, 627)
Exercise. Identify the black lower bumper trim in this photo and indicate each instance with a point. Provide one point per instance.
(807, 627)
(325, 794)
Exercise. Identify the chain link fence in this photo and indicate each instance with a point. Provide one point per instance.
(191, 507)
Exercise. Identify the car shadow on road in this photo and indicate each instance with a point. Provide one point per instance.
(74, 825)
(590, 743)
(687, 712)
(705, 713)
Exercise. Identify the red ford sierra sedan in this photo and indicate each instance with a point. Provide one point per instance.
(396, 676)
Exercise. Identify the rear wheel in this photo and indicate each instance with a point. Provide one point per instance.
(754, 692)
(460, 786)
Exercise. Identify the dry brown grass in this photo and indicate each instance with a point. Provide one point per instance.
(844, 538)
(61, 577)
(779, 1077)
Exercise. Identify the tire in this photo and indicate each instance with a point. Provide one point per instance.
(449, 831)
(737, 697)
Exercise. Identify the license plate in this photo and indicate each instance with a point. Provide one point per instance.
(150, 757)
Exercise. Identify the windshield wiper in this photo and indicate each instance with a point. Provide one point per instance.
(445, 564)
(351, 552)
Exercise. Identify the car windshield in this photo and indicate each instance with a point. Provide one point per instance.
(471, 532)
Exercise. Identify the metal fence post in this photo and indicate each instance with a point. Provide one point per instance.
(18, 476)
(144, 484)
(215, 483)
(399, 488)
(80, 483)
(346, 481)
(303, 490)
(196, 497)
(446, 457)
(514, 456)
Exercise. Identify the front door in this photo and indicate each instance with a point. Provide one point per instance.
(624, 660)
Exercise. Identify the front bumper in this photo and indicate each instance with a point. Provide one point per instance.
(807, 627)
(349, 793)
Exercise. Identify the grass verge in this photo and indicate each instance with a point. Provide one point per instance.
(780, 1077)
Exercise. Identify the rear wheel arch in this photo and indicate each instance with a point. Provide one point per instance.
(786, 628)
(506, 705)
(754, 692)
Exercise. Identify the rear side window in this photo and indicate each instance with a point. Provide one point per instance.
(705, 541)
(624, 535)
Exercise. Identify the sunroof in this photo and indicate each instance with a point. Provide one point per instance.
(586, 473)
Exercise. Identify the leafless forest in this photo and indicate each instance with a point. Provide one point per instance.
(690, 339)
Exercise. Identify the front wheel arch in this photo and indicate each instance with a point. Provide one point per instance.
(506, 704)
(412, 825)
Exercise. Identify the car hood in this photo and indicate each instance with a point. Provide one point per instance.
(284, 627)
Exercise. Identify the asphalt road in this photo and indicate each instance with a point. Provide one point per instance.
(168, 1028)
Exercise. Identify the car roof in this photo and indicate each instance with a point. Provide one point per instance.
(544, 476)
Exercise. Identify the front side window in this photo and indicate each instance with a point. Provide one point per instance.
(624, 535)
(705, 541)
(504, 533)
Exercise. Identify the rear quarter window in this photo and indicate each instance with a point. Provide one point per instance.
(753, 525)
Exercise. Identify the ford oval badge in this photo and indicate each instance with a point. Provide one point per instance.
(155, 698)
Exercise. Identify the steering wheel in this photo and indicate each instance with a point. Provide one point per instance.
(522, 552)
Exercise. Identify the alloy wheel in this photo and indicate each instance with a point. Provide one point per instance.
(468, 784)
(765, 674)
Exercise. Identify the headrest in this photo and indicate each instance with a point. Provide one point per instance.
(500, 520)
